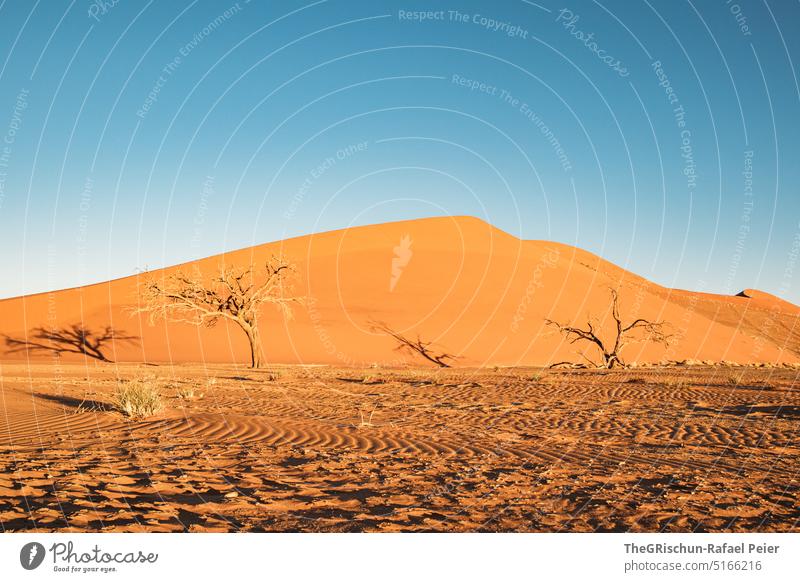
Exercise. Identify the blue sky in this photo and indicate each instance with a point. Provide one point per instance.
(662, 135)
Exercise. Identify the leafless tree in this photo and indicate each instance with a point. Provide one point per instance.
(235, 294)
(638, 330)
(425, 349)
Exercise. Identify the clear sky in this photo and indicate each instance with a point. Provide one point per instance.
(662, 135)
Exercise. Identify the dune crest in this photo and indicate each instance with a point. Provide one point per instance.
(479, 292)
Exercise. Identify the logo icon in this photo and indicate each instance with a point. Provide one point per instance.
(402, 256)
(31, 555)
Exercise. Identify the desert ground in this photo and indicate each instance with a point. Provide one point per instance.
(294, 448)
(344, 433)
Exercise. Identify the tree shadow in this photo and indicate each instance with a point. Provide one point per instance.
(72, 339)
(85, 404)
(778, 411)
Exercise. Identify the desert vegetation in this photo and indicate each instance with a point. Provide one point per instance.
(336, 435)
(235, 294)
(418, 346)
(608, 352)
(138, 398)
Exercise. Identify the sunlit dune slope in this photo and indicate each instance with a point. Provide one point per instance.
(475, 290)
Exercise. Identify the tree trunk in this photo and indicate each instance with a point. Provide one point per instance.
(254, 338)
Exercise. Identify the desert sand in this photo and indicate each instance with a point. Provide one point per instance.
(324, 449)
(475, 290)
(344, 433)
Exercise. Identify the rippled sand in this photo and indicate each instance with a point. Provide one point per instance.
(322, 449)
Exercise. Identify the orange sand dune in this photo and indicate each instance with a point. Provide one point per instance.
(477, 291)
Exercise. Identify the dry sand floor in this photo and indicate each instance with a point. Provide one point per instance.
(322, 449)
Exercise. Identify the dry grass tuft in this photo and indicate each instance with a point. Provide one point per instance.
(187, 393)
(138, 398)
(636, 380)
(366, 421)
(673, 382)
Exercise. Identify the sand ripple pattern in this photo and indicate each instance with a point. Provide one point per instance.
(345, 450)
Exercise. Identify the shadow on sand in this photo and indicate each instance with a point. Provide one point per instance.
(73, 339)
(78, 404)
(766, 410)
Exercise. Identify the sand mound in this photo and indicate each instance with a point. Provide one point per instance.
(479, 292)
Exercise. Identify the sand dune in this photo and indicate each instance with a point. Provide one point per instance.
(481, 293)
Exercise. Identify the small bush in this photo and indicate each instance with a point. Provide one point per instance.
(366, 421)
(186, 393)
(138, 398)
(674, 382)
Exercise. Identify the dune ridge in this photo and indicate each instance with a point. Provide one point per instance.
(470, 287)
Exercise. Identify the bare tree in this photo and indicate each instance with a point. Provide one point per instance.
(425, 349)
(637, 331)
(235, 294)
